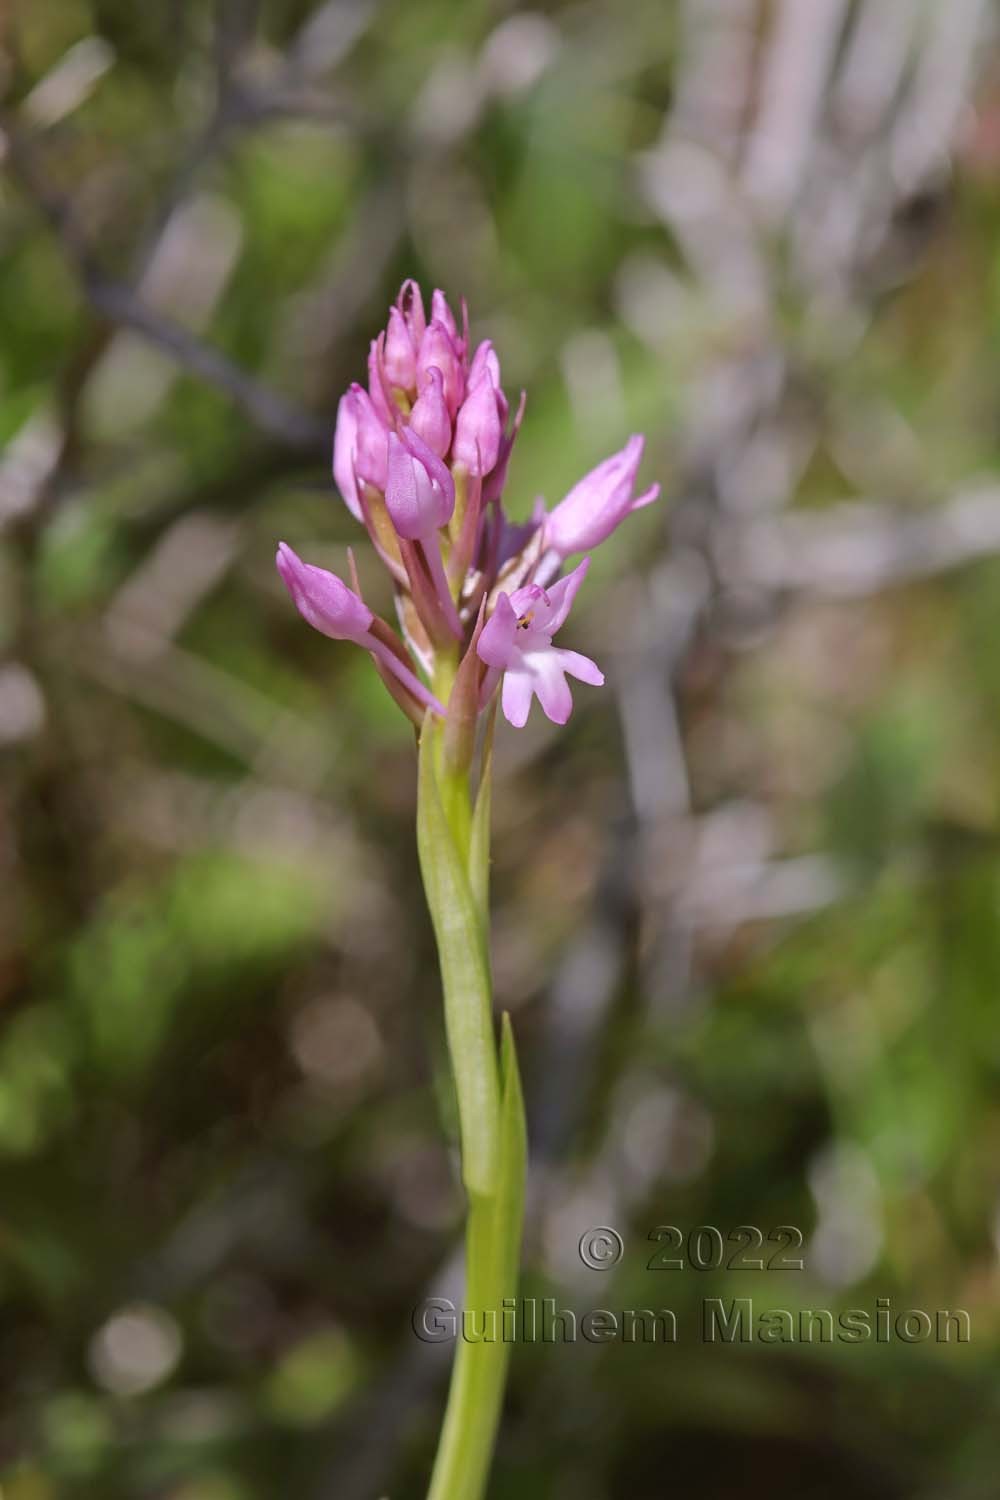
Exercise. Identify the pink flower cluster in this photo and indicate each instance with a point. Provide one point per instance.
(420, 458)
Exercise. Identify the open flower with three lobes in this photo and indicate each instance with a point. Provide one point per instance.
(420, 458)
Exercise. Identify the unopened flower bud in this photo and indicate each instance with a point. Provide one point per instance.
(411, 304)
(420, 492)
(442, 313)
(326, 603)
(478, 428)
(439, 351)
(429, 418)
(485, 361)
(323, 599)
(598, 503)
(400, 354)
(371, 435)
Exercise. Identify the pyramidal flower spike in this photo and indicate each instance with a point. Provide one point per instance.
(421, 460)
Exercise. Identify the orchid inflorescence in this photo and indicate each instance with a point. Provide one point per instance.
(421, 459)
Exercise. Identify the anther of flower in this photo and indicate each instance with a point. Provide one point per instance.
(421, 460)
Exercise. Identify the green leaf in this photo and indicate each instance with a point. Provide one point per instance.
(465, 975)
(509, 1210)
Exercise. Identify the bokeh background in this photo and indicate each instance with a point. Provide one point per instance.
(747, 905)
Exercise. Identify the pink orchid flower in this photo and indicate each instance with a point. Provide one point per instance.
(517, 641)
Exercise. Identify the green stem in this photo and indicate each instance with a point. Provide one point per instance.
(453, 845)
(475, 1396)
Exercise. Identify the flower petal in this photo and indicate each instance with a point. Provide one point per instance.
(549, 682)
(551, 615)
(344, 443)
(515, 697)
(581, 667)
(496, 642)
